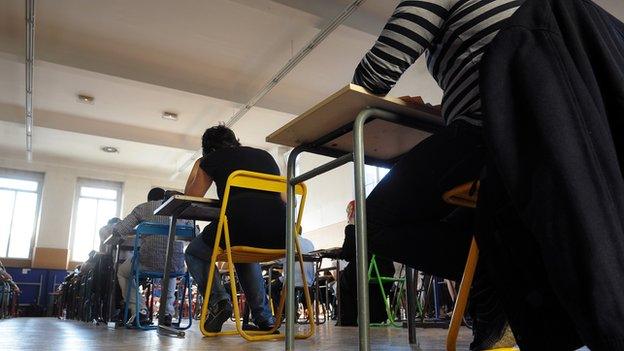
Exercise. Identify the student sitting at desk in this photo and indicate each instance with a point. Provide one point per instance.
(255, 219)
(104, 248)
(152, 253)
(310, 273)
(405, 211)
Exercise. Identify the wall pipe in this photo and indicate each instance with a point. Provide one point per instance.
(30, 60)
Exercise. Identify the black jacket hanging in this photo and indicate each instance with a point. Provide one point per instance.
(552, 204)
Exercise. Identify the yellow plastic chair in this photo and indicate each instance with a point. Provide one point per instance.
(465, 195)
(247, 254)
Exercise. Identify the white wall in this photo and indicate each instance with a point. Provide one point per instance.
(323, 222)
(59, 187)
(327, 237)
(328, 195)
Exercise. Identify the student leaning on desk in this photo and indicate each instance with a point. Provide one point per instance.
(255, 219)
(407, 219)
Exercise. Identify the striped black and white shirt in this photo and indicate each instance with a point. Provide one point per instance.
(453, 34)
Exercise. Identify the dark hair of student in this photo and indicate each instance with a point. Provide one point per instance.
(218, 137)
(156, 194)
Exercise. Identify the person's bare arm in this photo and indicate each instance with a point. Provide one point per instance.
(198, 182)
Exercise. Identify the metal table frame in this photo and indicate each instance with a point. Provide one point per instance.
(189, 201)
(359, 159)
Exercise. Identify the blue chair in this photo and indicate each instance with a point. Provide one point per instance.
(147, 229)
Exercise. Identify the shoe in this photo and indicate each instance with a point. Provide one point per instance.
(489, 322)
(217, 315)
(167, 320)
(492, 335)
(250, 327)
(494, 339)
(263, 326)
(144, 317)
(253, 327)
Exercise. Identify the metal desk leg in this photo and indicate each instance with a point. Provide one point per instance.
(162, 310)
(411, 305)
(317, 292)
(360, 227)
(290, 251)
(338, 319)
(113, 280)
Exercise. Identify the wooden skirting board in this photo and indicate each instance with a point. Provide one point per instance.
(17, 262)
(50, 258)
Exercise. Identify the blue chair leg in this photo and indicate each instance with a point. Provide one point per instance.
(186, 290)
(181, 303)
(189, 288)
(136, 280)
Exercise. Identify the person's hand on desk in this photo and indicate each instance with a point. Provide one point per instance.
(417, 101)
(412, 100)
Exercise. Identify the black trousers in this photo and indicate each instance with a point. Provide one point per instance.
(255, 219)
(407, 220)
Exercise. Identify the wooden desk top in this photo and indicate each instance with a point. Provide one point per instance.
(383, 140)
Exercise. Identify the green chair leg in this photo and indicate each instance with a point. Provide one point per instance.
(380, 280)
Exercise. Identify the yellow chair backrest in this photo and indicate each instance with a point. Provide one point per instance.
(264, 182)
(261, 181)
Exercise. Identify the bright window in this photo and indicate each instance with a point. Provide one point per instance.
(373, 176)
(19, 209)
(96, 203)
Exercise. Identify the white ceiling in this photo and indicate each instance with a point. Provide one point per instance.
(76, 149)
(128, 109)
(198, 58)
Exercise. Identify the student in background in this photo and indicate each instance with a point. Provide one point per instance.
(348, 281)
(152, 253)
(103, 247)
(309, 268)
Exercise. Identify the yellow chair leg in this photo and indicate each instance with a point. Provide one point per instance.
(253, 335)
(462, 297)
(211, 273)
(306, 293)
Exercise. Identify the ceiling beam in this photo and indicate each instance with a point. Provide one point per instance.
(101, 128)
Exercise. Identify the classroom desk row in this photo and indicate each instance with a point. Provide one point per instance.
(351, 126)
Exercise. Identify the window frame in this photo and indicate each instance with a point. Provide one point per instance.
(378, 177)
(38, 177)
(94, 183)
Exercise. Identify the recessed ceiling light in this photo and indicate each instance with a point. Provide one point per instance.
(170, 116)
(110, 149)
(86, 99)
